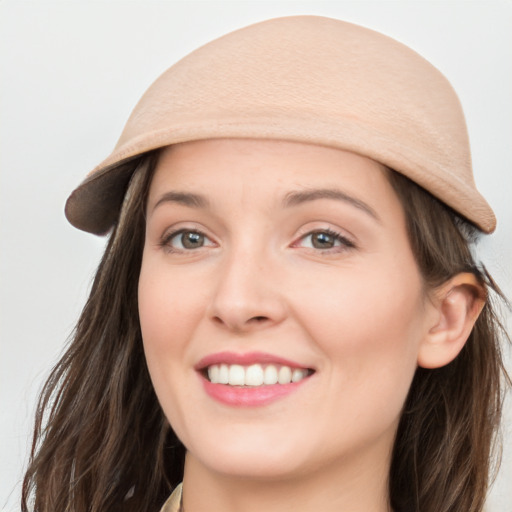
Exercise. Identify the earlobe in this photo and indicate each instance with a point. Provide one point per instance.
(457, 303)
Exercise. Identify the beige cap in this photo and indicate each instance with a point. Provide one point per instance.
(302, 78)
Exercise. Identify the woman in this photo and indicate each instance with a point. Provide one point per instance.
(288, 314)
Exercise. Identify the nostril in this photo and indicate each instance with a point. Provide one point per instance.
(237, 320)
(259, 318)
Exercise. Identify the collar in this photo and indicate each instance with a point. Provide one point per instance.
(173, 504)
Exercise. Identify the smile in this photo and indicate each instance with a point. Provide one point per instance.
(255, 375)
(251, 379)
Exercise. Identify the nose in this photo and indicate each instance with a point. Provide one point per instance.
(248, 295)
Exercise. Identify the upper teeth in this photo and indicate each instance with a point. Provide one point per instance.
(254, 375)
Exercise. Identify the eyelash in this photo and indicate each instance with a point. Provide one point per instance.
(166, 240)
(345, 243)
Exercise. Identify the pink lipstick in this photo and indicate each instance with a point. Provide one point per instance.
(250, 379)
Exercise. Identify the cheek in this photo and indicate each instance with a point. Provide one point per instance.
(154, 307)
(166, 319)
(363, 309)
(369, 325)
(168, 308)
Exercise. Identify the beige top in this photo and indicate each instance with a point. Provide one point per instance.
(173, 504)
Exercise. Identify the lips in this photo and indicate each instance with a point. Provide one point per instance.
(250, 379)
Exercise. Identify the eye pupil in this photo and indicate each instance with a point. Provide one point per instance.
(322, 240)
(191, 240)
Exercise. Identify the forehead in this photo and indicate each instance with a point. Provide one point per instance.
(269, 167)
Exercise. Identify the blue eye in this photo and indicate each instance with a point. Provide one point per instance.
(186, 240)
(325, 239)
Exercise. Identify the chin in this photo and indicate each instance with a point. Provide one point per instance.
(251, 458)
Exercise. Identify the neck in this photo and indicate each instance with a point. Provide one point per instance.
(358, 486)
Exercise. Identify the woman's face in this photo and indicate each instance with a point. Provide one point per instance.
(265, 261)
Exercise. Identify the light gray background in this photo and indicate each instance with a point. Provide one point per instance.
(71, 71)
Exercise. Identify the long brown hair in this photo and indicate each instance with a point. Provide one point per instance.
(445, 442)
(101, 442)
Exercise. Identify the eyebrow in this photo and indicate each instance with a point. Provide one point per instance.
(185, 198)
(304, 196)
(291, 199)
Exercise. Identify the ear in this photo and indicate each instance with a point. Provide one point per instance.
(457, 304)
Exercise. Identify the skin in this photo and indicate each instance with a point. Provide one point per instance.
(356, 313)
